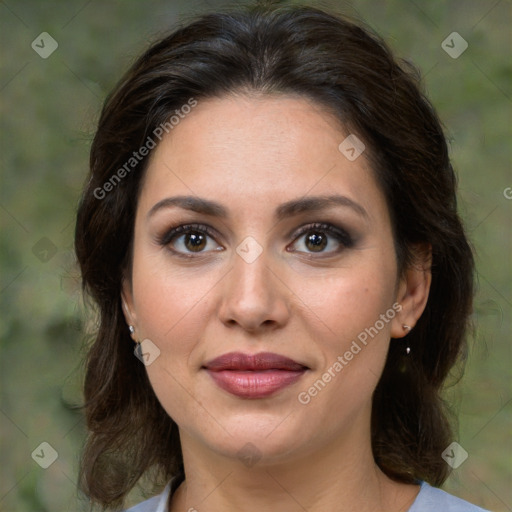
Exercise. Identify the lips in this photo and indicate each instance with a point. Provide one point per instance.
(254, 376)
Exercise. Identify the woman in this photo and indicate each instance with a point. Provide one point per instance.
(271, 216)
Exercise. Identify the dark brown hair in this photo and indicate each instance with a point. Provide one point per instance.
(335, 63)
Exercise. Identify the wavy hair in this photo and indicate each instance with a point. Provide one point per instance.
(338, 64)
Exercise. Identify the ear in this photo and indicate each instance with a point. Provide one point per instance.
(128, 306)
(413, 290)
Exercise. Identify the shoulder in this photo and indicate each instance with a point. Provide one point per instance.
(432, 499)
(155, 504)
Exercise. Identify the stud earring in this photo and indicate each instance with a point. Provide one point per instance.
(131, 329)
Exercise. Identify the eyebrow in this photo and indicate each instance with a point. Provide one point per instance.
(309, 204)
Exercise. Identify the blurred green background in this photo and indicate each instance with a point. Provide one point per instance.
(49, 107)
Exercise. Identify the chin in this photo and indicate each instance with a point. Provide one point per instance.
(268, 438)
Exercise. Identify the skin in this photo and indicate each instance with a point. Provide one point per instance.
(251, 154)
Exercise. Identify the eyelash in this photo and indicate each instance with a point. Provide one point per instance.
(339, 234)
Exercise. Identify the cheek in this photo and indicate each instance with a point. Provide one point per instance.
(349, 302)
(171, 311)
(352, 336)
(164, 297)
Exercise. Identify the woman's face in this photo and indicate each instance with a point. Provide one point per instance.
(293, 257)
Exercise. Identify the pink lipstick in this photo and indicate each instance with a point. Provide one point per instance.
(254, 376)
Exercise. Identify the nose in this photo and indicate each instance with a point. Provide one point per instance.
(253, 296)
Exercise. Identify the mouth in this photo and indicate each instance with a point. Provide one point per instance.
(254, 376)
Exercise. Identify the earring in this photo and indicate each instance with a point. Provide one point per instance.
(408, 329)
(131, 329)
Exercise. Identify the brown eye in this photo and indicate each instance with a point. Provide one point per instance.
(316, 241)
(188, 239)
(195, 242)
(321, 238)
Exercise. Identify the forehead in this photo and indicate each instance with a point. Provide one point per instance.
(257, 150)
(263, 127)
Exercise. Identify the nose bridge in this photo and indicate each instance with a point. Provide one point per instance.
(251, 272)
(253, 296)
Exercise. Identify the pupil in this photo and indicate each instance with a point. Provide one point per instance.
(195, 241)
(318, 242)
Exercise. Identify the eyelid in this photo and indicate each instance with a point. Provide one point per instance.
(168, 235)
(341, 234)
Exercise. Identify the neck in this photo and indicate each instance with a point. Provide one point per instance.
(341, 476)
